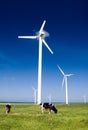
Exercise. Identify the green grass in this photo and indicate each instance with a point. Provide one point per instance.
(29, 117)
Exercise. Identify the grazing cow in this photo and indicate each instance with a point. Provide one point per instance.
(8, 108)
(48, 106)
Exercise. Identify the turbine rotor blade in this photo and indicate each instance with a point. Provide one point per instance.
(61, 71)
(28, 37)
(42, 26)
(47, 46)
(69, 75)
(63, 81)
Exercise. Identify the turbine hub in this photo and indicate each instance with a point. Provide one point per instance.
(42, 34)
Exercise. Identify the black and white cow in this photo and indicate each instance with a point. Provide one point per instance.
(8, 108)
(48, 106)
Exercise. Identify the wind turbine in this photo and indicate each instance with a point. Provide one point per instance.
(84, 97)
(65, 81)
(41, 37)
(50, 98)
(35, 94)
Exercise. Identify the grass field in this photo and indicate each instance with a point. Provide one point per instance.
(29, 117)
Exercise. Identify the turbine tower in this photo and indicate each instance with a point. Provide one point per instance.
(50, 98)
(41, 37)
(65, 81)
(35, 94)
(84, 97)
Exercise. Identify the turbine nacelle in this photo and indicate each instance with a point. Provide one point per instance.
(42, 34)
(65, 75)
(68, 75)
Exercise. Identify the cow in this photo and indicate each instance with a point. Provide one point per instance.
(48, 106)
(8, 108)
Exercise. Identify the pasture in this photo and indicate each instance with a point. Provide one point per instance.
(30, 117)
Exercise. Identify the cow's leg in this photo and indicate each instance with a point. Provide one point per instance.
(7, 110)
(49, 111)
(42, 108)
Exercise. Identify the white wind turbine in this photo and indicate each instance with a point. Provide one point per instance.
(50, 98)
(84, 97)
(65, 81)
(40, 36)
(35, 94)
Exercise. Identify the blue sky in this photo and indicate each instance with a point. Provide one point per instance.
(67, 24)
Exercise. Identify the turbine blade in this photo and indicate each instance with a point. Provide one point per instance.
(63, 82)
(47, 46)
(69, 75)
(42, 26)
(61, 70)
(28, 37)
